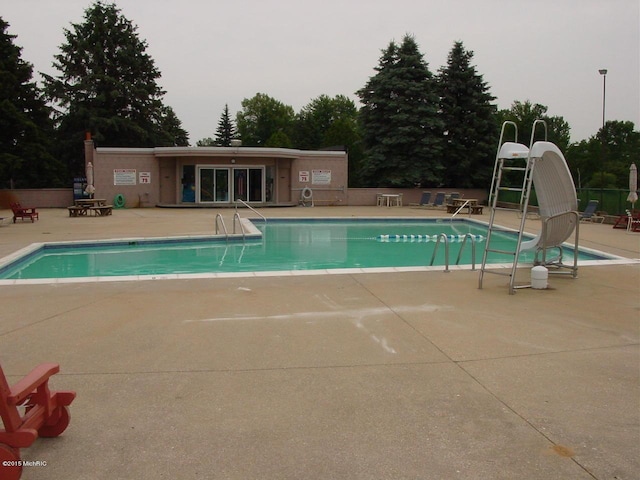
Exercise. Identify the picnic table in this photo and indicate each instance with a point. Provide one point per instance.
(83, 207)
(390, 199)
(471, 204)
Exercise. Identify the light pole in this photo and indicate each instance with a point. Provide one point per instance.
(603, 72)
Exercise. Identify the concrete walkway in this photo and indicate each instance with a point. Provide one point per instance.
(415, 375)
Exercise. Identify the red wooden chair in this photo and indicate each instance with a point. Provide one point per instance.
(23, 212)
(632, 216)
(46, 414)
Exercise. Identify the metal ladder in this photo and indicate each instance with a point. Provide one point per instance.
(522, 168)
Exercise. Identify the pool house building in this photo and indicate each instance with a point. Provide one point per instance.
(217, 176)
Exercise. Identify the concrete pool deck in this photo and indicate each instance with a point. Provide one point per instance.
(380, 375)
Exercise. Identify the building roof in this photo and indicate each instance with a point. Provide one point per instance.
(221, 152)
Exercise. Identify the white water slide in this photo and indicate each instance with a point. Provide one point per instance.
(556, 193)
(542, 168)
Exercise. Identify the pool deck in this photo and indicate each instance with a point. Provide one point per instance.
(411, 375)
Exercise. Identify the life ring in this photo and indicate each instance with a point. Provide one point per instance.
(119, 201)
(306, 197)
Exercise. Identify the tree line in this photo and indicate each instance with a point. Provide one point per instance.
(413, 127)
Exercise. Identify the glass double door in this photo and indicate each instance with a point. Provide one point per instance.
(224, 185)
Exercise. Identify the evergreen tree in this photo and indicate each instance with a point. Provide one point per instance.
(470, 129)
(25, 125)
(170, 131)
(226, 129)
(401, 128)
(108, 85)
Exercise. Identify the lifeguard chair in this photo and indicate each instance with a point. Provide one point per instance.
(46, 414)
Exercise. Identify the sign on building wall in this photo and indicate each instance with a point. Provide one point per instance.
(321, 177)
(144, 178)
(303, 176)
(124, 176)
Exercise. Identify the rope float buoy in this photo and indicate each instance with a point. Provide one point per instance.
(119, 201)
(426, 238)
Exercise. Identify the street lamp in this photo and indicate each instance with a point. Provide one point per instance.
(603, 72)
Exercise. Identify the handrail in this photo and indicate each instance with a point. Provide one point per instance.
(236, 216)
(515, 128)
(495, 165)
(473, 250)
(533, 131)
(446, 251)
(224, 228)
(239, 200)
(466, 202)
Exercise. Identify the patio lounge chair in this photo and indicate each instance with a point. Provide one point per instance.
(439, 201)
(23, 212)
(424, 200)
(557, 203)
(46, 415)
(589, 213)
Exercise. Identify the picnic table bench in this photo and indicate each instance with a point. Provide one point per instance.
(90, 206)
(101, 210)
(475, 209)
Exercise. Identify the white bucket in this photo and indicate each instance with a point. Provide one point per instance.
(539, 277)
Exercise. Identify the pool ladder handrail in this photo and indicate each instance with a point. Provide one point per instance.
(445, 239)
(239, 200)
(220, 221)
(236, 221)
(236, 216)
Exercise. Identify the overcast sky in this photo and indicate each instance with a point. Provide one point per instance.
(217, 52)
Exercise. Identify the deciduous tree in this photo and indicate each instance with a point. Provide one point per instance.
(318, 124)
(524, 114)
(599, 164)
(328, 122)
(264, 119)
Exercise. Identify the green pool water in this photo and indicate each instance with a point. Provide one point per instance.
(285, 245)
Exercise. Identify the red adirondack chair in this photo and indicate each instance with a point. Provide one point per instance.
(632, 216)
(23, 212)
(46, 414)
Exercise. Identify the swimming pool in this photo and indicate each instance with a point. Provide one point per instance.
(279, 245)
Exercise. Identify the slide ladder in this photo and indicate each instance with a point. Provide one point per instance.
(512, 172)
